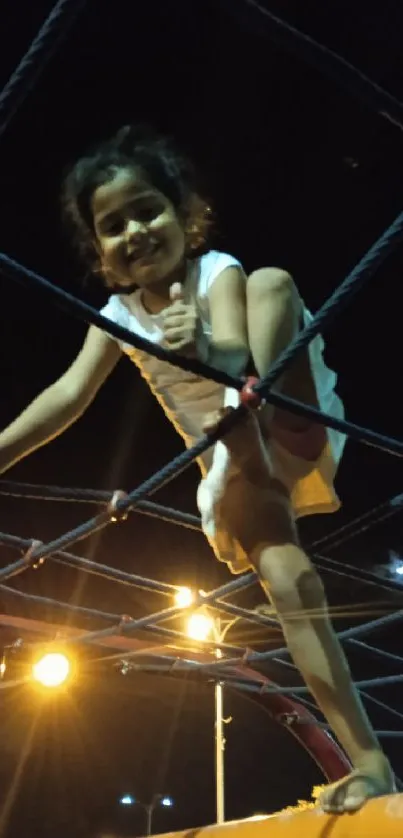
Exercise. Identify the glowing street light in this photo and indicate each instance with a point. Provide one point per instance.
(184, 597)
(395, 563)
(51, 670)
(149, 808)
(199, 626)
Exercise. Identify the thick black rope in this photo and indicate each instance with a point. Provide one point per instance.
(357, 432)
(80, 310)
(298, 43)
(371, 261)
(63, 494)
(342, 534)
(343, 295)
(121, 507)
(362, 523)
(32, 491)
(25, 76)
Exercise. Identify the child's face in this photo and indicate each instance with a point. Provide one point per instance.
(138, 231)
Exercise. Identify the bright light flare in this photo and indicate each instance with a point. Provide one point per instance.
(184, 597)
(127, 800)
(51, 670)
(167, 801)
(199, 626)
(396, 564)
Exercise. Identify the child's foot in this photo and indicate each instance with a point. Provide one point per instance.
(352, 792)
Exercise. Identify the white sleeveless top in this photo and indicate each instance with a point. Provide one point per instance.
(185, 397)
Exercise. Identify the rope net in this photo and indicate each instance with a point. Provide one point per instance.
(119, 632)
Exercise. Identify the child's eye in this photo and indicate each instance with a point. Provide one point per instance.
(147, 212)
(114, 229)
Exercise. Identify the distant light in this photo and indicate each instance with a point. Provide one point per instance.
(395, 563)
(167, 801)
(51, 670)
(3, 667)
(127, 800)
(199, 626)
(184, 597)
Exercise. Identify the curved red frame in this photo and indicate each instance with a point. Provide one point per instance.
(319, 744)
(282, 708)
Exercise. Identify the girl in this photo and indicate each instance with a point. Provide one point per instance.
(137, 215)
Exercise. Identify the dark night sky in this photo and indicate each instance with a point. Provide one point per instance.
(302, 176)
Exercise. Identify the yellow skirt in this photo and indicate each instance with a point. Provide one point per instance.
(310, 484)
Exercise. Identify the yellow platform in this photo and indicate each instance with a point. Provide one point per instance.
(380, 818)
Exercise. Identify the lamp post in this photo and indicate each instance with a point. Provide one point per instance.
(219, 632)
(149, 808)
(200, 625)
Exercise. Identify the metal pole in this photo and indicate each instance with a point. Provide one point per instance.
(149, 812)
(219, 753)
(220, 632)
(219, 735)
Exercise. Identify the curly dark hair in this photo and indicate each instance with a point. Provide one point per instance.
(164, 166)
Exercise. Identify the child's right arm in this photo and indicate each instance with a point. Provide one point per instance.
(57, 407)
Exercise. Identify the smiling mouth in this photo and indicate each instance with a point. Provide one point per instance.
(144, 254)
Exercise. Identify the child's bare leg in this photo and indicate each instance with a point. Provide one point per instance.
(297, 594)
(268, 535)
(229, 348)
(274, 313)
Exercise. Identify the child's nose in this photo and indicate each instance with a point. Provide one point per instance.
(134, 230)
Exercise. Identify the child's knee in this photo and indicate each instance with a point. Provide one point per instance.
(268, 281)
(292, 581)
